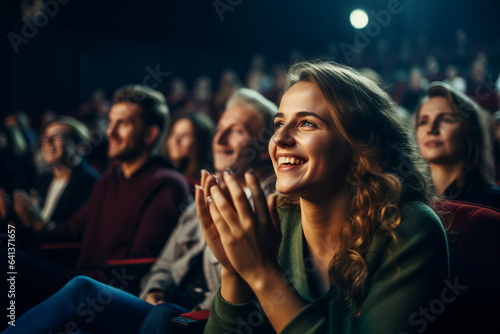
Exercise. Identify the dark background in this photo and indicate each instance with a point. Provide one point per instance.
(109, 43)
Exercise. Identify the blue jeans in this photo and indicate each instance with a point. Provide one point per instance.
(158, 319)
(84, 304)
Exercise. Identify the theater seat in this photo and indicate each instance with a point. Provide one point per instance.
(134, 269)
(474, 244)
(63, 253)
(67, 253)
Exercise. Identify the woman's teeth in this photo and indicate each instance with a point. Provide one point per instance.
(290, 161)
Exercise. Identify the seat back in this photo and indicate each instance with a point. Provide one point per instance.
(474, 245)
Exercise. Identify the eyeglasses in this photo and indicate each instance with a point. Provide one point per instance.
(58, 137)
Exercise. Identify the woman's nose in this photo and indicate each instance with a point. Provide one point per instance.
(283, 137)
(434, 128)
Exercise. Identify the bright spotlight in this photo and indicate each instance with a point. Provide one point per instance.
(359, 18)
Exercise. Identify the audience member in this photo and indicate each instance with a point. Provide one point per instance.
(45, 118)
(202, 94)
(177, 95)
(454, 137)
(496, 145)
(359, 249)
(229, 82)
(95, 108)
(497, 88)
(432, 69)
(188, 144)
(480, 88)
(14, 173)
(22, 121)
(276, 91)
(133, 207)
(414, 91)
(186, 273)
(21, 148)
(59, 194)
(256, 77)
(456, 82)
(463, 48)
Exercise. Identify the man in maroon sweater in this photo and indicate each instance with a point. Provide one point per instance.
(133, 207)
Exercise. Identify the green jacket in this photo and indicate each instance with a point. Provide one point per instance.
(403, 292)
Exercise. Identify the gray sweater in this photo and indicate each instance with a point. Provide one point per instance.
(185, 242)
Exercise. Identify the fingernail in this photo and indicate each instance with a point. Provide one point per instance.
(216, 178)
(209, 199)
(249, 171)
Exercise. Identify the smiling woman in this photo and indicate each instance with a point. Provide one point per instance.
(360, 250)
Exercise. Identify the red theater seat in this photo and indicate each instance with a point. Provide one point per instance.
(474, 244)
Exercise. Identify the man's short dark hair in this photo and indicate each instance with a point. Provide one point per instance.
(154, 109)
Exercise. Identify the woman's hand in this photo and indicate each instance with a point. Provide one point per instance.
(210, 233)
(249, 237)
(246, 241)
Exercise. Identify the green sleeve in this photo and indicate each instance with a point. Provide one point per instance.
(226, 317)
(308, 320)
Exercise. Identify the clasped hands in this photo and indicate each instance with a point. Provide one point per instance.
(245, 240)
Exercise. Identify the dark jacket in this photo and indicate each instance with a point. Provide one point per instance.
(481, 193)
(75, 195)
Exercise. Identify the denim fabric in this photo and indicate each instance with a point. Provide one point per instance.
(84, 304)
(158, 319)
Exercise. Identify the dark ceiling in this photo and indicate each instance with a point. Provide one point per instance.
(109, 43)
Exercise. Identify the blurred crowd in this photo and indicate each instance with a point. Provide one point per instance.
(404, 73)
